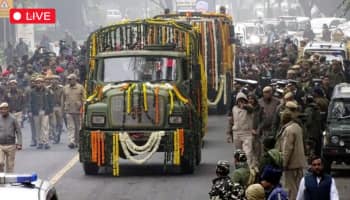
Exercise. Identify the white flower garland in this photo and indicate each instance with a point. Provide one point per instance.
(150, 147)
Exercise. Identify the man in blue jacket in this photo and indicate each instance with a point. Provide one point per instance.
(317, 185)
(270, 180)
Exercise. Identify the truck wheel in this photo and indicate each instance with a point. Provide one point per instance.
(188, 164)
(90, 169)
(199, 152)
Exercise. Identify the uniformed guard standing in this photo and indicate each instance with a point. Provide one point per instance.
(15, 98)
(73, 97)
(27, 93)
(40, 108)
(56, 118)
(10, 138)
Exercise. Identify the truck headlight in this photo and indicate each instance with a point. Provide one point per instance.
(335, 139)
(175, 120)
(98, 120)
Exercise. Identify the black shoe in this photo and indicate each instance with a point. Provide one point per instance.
(71, 145)
(47, 146)
(33, 144)
(40, 146)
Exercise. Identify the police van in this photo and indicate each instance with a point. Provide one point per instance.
(331, 50)
(25, 186)
(336, 137)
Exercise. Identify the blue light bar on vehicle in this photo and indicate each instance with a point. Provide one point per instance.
(17, 178)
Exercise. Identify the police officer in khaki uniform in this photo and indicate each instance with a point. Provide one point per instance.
(15, 98)
(10, 138)
(56, 118)
(73, 96)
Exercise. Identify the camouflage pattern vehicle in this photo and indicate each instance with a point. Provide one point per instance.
(218, 50)
(146, 90)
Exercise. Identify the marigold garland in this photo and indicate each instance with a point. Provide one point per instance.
(115, 155)
(145, 102)
(156, 93)
(130, 89)
(171, 96)
(97, 147)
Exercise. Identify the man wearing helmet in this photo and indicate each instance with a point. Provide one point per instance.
(223, 187)
(242, 174)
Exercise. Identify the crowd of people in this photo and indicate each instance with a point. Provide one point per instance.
(278, 114)
(46, 90)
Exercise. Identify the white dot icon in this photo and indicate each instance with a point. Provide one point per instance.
(17, 16)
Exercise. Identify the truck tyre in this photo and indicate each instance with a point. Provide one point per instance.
(188, 163)
(199, 151)
(90, 169)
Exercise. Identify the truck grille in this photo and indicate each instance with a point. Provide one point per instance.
(137, 118)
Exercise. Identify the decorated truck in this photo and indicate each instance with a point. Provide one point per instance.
(146, 90)
(218, 50)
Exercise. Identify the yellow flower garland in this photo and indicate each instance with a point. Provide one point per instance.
(176, 158)
(145, 103)
(171, 102)
(130, 89)
(115, 155)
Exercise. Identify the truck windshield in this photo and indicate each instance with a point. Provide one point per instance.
(143, 68)
(340, 110)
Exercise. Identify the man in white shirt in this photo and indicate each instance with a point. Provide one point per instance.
(317, 185)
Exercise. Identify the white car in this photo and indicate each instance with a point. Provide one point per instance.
(331, 22)
(25, 186)
(250, 34)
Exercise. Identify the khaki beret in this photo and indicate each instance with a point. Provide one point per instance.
(13, 81)
(4, 105)
(288, 95)
(255, 191)
(295, 67)
(290, 72)
(39, 78)
(72, 76)
(291, 104)
(267, 89)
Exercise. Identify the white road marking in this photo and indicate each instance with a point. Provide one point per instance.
(64, 170)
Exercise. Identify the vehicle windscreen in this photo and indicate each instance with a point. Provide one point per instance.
(292, 25)
(339, 109)
(142, 68)
(331, 53)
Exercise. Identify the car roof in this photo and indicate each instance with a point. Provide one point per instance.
(342, 90)
(325, 45)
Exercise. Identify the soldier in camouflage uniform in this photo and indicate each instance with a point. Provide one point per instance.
(241, 174)
(15, 98)
(223, 188)
(56, 118)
